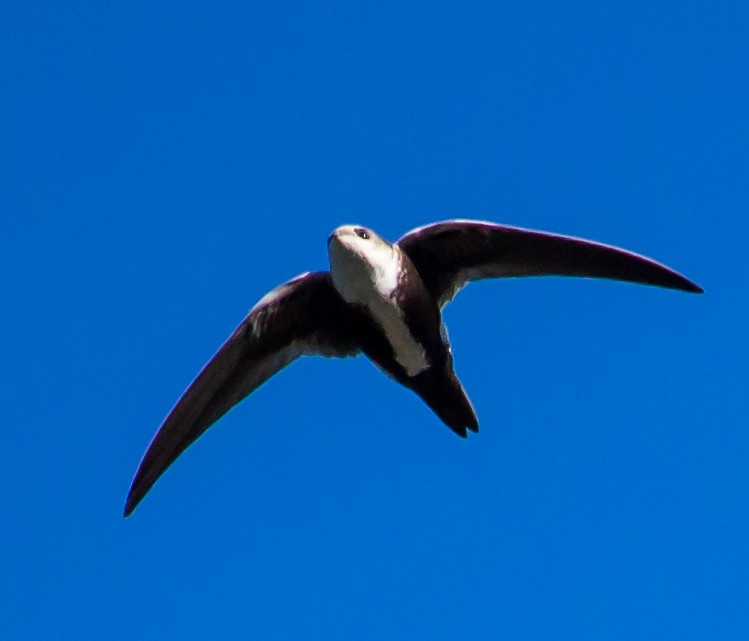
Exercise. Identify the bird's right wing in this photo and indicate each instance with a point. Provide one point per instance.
(303, 316)
(449, 254)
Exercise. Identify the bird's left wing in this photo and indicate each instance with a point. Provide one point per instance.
(304, 316)
(449, 254)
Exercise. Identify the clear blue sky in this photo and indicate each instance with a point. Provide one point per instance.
(164, 164)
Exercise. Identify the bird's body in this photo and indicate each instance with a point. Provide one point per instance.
(380, 283)
(383, 300)
(400, 325)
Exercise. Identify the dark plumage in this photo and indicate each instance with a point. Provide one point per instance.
(383, 300)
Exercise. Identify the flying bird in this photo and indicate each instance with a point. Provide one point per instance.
(383, 300)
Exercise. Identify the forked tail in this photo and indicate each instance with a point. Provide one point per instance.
(442, 391)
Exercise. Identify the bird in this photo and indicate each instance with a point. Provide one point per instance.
(383, 300)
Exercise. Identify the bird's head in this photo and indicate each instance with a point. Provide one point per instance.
(359, 260)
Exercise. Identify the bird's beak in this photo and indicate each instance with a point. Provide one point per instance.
(335, 236)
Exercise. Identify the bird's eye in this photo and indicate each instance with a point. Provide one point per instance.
(361, 233)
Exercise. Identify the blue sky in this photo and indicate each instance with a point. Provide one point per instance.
(165, 164)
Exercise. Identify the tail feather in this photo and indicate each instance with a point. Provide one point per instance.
(442, 392)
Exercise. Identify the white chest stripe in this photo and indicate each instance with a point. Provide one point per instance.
(407, 350)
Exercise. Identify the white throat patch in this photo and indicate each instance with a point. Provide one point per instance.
(365, 271)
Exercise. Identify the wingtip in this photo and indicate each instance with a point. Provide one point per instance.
(688, 286)
(130, 504)
(134, 497)
(671, 279)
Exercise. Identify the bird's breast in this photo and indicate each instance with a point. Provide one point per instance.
(375, 284)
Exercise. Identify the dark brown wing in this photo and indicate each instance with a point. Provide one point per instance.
(449, 254)
(302, 316)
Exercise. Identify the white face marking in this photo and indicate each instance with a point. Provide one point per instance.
(365, 270)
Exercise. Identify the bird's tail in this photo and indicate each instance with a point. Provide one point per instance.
(442, 391)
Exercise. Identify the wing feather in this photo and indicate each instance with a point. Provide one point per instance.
(304, 316)
(450, 254)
